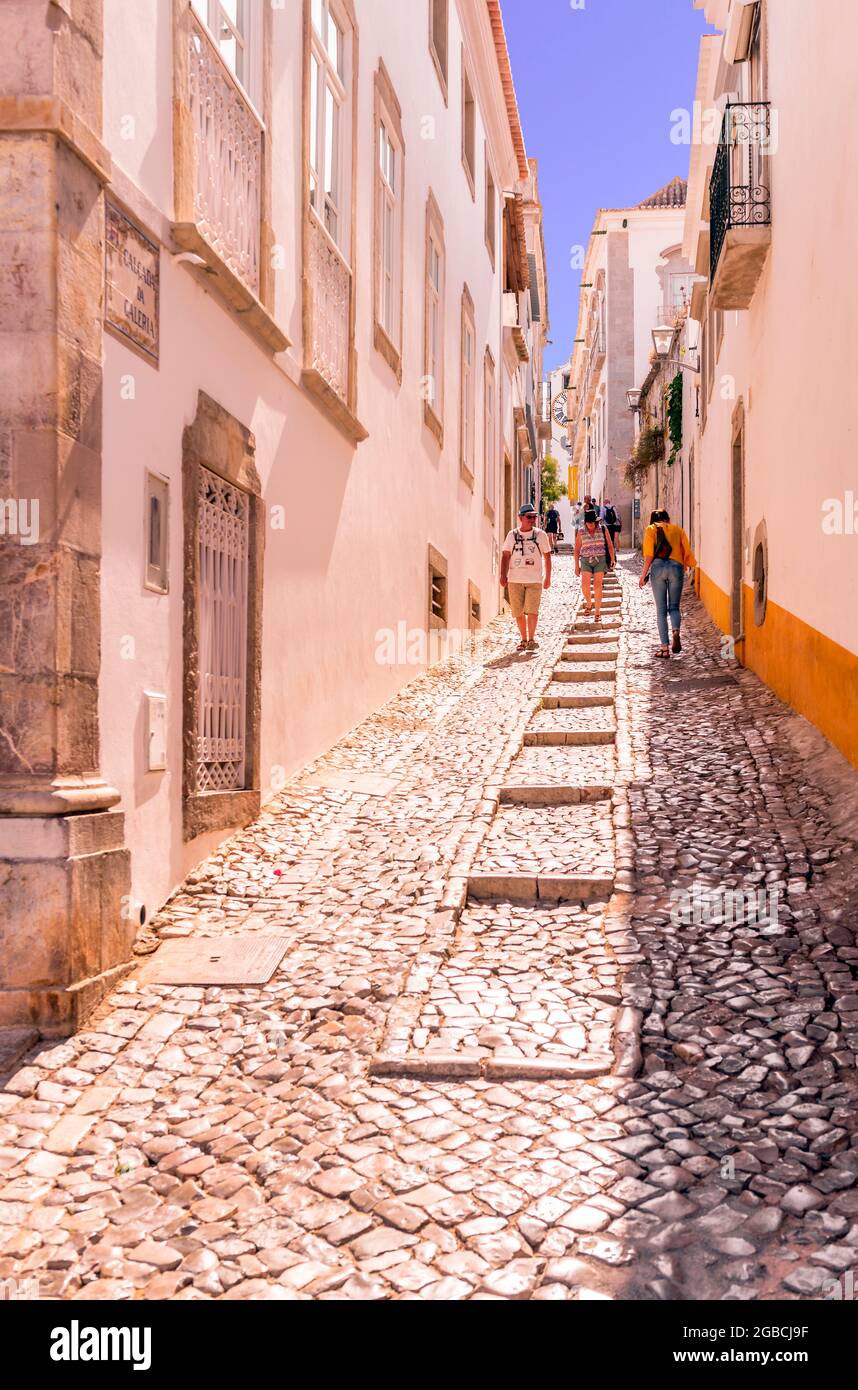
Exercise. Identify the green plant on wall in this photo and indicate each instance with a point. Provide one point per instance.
(648, 450)
(552, 488)
(673, 399)
(650, 447)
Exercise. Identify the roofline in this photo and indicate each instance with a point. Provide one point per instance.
(505, 69)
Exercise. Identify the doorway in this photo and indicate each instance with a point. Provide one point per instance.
(738, 524)
(507, 495)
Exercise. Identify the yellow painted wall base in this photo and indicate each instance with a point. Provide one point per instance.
(813, 675)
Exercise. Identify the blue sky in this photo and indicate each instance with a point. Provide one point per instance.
(596, 87)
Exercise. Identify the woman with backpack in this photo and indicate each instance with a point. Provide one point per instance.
(594, 556)
(667, 555)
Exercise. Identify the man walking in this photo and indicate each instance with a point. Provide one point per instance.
(552, 527)
(611, 520)
(526, 569)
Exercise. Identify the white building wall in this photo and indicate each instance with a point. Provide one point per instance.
(352, 558)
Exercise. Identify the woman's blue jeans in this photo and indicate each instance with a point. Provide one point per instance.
(667, 579)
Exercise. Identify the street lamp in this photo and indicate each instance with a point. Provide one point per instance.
(662, 338)
(634, 399)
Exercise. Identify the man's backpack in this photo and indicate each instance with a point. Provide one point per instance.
(519, 540)
(610, 516)
(663, 548)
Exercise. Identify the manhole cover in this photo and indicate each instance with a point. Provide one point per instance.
(700, 683)
(197, 961)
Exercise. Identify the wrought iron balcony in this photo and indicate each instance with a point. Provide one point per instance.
(227, 159)
(740, 205)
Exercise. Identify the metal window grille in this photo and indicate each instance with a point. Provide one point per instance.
(224, 530)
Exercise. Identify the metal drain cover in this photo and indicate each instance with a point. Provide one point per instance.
(207, 961)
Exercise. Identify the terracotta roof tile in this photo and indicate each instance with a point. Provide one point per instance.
(673, 195)
(496, 19)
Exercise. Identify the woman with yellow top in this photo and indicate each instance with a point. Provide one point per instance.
(667, 555)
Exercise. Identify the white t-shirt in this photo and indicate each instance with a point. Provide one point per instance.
(527, 549)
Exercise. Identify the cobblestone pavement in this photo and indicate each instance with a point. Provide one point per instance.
(522, 1042)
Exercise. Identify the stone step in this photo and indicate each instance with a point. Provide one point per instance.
(582, 766)
(587, 639)
(584, 674)
(610, 626)
(553, 794)
(588, 725)
(568, 738)
(531, 888)
(566, 840)
(557, 697)
(593, 652)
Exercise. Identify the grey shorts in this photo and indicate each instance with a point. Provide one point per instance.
(594, 566)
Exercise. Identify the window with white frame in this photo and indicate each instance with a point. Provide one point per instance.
(329, 122)
(680, 290)
(236, 28)
(468, 370)
(434, 309)
(490, 432)
(387, 221)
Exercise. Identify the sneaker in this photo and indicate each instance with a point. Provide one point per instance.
(677, 642)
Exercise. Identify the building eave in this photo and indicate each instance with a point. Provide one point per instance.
(505, 70)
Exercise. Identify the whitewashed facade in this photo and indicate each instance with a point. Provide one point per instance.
(305, 407)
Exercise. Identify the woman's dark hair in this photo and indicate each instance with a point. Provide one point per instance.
(590, 516)
(653, 518)
(663, 516)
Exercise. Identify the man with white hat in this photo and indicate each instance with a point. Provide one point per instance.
(526, 570)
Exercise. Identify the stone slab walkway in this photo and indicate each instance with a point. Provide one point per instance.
(210, 1142)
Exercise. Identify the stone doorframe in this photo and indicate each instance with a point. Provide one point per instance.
(220, 443)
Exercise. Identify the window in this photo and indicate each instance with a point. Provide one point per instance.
(157, 516)
(387, 229)
(236, 28)
(491, 211)
(469, 128)
(388, 221)
(329, 174)
(680, 290)
(474, 608)
(706, 365)
(438, 26)
(223, 527)
(434, 312)
(468, 370)
(437, 589)
(490, 433)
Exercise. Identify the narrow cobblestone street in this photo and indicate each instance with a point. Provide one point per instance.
(501, 1057)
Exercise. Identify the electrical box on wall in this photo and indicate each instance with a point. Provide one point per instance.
(156, 732)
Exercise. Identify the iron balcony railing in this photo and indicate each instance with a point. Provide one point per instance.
(739, 195)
